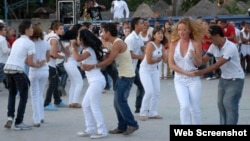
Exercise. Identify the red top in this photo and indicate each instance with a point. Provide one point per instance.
(11, 41)
(206, 43)
(229, 30)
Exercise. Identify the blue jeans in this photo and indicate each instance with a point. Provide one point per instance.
(125, 117)
(17, 82)
(63, 80)
(112, 72)
(229, 94)
(2, 75)
(53, 87)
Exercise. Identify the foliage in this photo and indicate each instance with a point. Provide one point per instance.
(234, 9)
(187, 4)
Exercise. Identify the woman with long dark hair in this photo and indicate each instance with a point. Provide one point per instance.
(92, 54)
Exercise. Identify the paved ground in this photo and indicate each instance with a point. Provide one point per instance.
(63, 125)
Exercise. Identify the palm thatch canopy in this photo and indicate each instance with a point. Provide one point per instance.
(161, 8)
(144, 11)
(206, 8)
(44, 10)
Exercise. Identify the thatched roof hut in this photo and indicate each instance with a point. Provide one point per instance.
(144, 11)
(161, 8)
(206, 8)
(43, 12)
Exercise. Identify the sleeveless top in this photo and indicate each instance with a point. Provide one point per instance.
(184, 62)
(245, 35)
(156, 54)
(146, 38)
(94, 74)
(50, 36)
(124, 63)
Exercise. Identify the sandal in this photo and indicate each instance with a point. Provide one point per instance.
(76, 105)
(155, 117)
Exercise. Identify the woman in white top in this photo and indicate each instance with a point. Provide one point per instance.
(38, 76)
(245, 46)
(71, 67)
(185, 55)
(92, 54)
(149, 75)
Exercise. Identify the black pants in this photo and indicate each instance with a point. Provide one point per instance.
(53, 87)
(17, 82)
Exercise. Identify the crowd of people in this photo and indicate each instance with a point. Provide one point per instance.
(133, 53)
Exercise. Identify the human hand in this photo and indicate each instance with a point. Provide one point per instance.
(40, 63)
(87, 67)
(198, 72)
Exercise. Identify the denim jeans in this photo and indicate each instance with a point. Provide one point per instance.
(53, 87)
(17, 82)
(2, 75)
(140, 90)
(125, 117)
(229, 94)
(112, 72)
(63, 80)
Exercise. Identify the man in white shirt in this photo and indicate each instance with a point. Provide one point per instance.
(117, 8)
(22, 52)
(4, 51)
(136, 45)
(232, 78)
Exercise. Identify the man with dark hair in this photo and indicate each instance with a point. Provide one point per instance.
(231, 82)
(22, 52)
(136, 45)
(120, 53)
(94, 10)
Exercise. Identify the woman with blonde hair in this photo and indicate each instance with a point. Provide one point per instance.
(185, 56)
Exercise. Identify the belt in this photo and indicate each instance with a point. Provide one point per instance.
(12, 71)
(231, 79)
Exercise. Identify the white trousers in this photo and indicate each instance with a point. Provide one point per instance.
(188, 90)
(38, 80)
(76, 81)
(91, 106)
(151, 84)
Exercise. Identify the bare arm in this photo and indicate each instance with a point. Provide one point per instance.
(171, 61)
(38, 64)
(54, 50)
(117, 48)
(75, 53)
(197, 53)
(212, 67)
(149, 52)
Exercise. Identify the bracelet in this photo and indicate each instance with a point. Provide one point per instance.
(95, 66)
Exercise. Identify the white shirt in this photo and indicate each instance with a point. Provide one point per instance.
(156, 54)
(41, 49)
(118, 9)
(134, 43)
(94, 74)
(21, 48)
(4, 50)
(184, 62)
(232, 68)
(52, 62)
